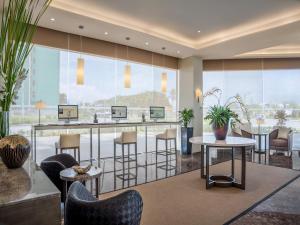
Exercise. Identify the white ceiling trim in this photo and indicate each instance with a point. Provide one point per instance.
(251, 28)
(204, 42)
(93, 14)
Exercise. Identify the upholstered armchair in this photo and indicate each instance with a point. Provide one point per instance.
(52, 167)
(280, 144)
(83, 208)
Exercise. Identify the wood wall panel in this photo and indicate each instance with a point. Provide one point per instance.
(61, 40)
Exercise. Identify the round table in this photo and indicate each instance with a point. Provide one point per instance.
(208, 142)
(69, 175)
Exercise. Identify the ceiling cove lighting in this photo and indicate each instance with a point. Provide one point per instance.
(127, 70)
(80, 65)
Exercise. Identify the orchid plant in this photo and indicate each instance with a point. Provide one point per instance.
(220, 115)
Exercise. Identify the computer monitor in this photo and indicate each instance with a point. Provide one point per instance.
(67, 112)
(157, 112)
(118, 112)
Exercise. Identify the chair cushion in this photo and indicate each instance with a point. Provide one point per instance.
(161, 136)
(280, 142)
(283, 132)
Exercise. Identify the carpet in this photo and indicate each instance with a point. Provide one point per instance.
(184, 200)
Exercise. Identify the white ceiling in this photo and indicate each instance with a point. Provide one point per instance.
(229, 28)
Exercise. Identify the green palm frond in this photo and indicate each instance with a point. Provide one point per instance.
(219, 116)
(18, 25)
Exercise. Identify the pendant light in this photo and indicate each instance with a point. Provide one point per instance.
(164, 77)
(80, 65)
(127, 70)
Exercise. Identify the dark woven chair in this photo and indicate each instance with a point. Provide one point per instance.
(83, 208)
(280, 144)
(52, 167)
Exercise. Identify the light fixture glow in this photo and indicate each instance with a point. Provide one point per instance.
(178, 52)
(199, 31)
(127, 76)
(198, 94)
(52, 19)
(106, 33)
(40, 105)
(147, 43)
(164, 80)
(80, 71)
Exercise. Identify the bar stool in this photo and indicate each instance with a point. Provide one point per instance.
(126, 139)
(168, 136)
(69, 142)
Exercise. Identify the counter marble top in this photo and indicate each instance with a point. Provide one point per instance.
(228, 142)
(24, 184)
(78, 125)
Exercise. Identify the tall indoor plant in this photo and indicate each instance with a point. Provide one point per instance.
(186, 116)
(18, 25)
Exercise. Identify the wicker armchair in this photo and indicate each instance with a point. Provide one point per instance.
(52, 167)
(83, 208)
(280, 144)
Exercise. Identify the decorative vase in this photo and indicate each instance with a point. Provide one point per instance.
(220, 132)
(186, 134)
(14, 150)
(4, 124)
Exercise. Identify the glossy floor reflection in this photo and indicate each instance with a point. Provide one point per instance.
(147, 171)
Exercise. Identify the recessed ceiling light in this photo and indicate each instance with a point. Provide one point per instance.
(106, 33)
(178, 52)
(163, 48)
(146, 43)
(81, 27)
(52, 19)
(127, 38)
(199, 31)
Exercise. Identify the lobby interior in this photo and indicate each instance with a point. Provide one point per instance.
(117, 118)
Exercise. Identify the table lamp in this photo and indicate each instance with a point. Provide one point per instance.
(40, 105)
(259, 121)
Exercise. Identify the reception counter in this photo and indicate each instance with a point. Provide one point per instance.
(96, 126)
(28, 197)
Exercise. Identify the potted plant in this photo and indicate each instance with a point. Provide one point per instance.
(186, 116)
(281, 117)
(18, 25)
(222, 116)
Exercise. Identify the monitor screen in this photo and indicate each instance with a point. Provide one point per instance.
(157, 112)
(119, 112)
(68, 112)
